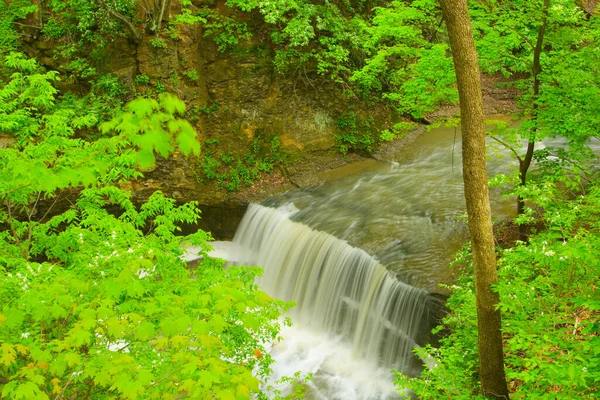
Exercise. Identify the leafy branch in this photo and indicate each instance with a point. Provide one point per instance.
(128, 24)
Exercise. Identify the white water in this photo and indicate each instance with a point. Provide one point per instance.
(338, 375)
(353, 322)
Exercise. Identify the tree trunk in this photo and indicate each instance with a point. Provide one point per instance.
(41, 11)
(535, 72)
(166, 15)
(491, 359)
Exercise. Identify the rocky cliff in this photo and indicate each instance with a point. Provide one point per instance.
(236, 100)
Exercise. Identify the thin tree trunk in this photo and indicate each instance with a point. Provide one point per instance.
(165, 17)
(526, 162)
(130, 27)
(159, 17)
(491, 359)
(41, 11)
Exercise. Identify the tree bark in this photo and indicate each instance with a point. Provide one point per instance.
(491, 358)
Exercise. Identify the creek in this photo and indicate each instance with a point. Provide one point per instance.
(360, 255)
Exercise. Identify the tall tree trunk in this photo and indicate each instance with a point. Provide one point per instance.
(491, 358)
(525, 163)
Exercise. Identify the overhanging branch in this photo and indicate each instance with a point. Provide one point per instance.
(130, 27)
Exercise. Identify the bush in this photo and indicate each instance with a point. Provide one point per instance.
(550, 309)
(99, 304)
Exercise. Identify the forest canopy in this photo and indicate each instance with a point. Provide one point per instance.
(95, 299)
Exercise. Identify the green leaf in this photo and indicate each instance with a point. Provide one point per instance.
(207, 378)
(8, 354)
(146, 159)
(172, 104)
(217, 323)
(29, 391)
(146, 331)
(72, 359)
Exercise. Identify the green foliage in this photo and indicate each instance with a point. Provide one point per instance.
(184, 18)
(414, 74)
(555, 167)
(142, 79)
(232, 171)
(57, 158)
(398, 131)
(159, 87)
(392, 56)
(550, 310)
(80, 67)
(425, 85)
(80, 30)
(12, 12)
(386, 136)
(225, 31)
(87, 23)
(297, 385)
(548, 288)
(192, 74)
(110, 85)
(53, 29)
(553, 307)
(98, 304)
(506, 36)
(209, 109)
(392, 39)
(355, 133)
(306, 33)
(117, 312)
(159, 43)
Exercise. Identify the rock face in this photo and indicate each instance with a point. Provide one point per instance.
(235, 98)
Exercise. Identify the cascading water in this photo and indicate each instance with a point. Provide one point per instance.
(354, 320)
(338, 289)
(356, 317)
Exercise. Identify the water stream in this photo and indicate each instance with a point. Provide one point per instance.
(359, 255)
(405, 212)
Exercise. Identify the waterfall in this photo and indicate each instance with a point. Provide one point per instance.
(338, 289)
